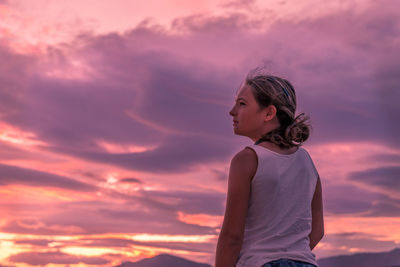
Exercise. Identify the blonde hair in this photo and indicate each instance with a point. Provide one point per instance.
(272, 90)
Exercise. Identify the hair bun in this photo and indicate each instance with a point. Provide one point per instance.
(298, 131)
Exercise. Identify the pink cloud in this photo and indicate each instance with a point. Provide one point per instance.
(43, 258)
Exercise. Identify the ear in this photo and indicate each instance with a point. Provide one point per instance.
(270, 112)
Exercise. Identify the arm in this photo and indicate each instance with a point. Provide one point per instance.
(242, 169)
(317, 231)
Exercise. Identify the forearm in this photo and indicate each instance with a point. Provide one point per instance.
(314, 239)
(228, 250)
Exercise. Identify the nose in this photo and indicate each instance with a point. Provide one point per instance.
(232, 111)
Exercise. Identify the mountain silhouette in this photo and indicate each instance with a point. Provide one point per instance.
(163, 260)
(379, 259)
(369, 259)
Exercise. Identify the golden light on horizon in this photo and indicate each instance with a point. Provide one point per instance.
(200, 219)
(173, 238)
(89, 251)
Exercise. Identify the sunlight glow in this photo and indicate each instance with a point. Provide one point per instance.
(111, 178)
(200, 219)
(16, 136)
(173, 238)
(86, 251)
(7, 248)
(122, 148)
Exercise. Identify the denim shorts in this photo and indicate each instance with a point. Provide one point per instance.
(287, 263)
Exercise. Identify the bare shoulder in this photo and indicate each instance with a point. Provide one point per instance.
(245, 162)
(245, 155)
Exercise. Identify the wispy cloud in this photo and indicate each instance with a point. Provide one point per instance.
(31, 177)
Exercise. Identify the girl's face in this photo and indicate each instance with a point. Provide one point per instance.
(248, 118)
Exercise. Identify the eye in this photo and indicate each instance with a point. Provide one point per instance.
(242, 103)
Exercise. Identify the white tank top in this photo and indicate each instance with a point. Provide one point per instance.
(279, 218)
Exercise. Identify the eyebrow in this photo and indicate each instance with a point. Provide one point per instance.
(241, 98)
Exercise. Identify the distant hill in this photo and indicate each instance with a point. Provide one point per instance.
(163, 260)
(380, 259)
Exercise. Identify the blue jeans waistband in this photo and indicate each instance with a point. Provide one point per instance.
(287, 263)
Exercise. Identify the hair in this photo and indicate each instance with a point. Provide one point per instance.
(272, 90)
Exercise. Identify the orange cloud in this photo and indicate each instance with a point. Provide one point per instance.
(200, 219)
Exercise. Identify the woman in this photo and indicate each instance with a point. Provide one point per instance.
(273, 214)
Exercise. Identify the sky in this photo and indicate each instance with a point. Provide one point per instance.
(115, 134)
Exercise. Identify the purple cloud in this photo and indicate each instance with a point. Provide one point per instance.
(388, 158)
(350, 199)
(383, 177)
(141, 213)
(174, 155)
(35, 242)
(56, 257)
(339, 243)
(130, 180)
(118, 242)
(12, 152)
(17, 226)
(189, 202)
(367, 242)
(180, 102)
(16, 175)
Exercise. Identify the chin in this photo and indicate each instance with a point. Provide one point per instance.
(237, 132)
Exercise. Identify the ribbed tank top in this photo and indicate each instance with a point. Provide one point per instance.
(279, 217)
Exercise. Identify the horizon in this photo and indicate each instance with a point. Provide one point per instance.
(326, 258)
(115, 137)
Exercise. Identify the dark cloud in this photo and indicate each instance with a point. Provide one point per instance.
(35, 242)
(388, 158)
(177, 154)
(385, 207)
(14, 72)
(220, 175)
(16, 175)
(350, 199)
(383, 177)
(189, 202)
(38, 228)
(90, 175)
(355, 239)
(130, 180)
(171, 108)
(56, 257)
(341, 108)
(146, 212)
(340, 199)
(341, 242)
(133, 221)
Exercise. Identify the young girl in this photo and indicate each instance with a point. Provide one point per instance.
(273, 215)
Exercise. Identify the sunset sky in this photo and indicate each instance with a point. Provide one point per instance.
(115, 137)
